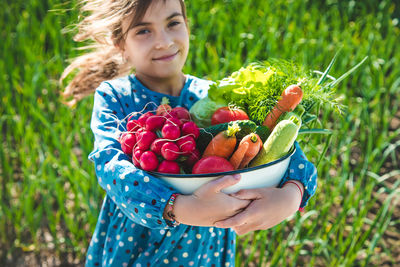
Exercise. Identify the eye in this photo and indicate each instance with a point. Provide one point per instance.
(174, 23)
(143, 31)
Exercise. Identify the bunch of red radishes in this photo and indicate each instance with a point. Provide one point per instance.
(164, 141)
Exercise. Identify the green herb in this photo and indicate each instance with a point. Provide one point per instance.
(257, 87)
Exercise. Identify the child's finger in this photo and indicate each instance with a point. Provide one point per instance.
(248, 194)
(238, 219)
(244, 203)
(243, 229)
(217, 185)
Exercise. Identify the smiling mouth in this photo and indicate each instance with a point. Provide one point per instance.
(167, 57)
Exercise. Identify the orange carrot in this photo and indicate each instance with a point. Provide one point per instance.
(247, 149)
(291, 97)
(238, 155)
(223, 144)
(255, 145)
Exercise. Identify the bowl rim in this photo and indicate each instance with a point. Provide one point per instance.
(207, 175)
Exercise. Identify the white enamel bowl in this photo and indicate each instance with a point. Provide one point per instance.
(266, 175)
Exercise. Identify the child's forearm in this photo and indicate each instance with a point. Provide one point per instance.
(182, 208)
(297, 190)
(179, 209)
(188, 210)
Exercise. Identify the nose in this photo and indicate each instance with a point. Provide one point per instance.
(163, 40)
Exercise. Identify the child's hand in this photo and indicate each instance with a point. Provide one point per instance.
(208, 204)
(269, 207)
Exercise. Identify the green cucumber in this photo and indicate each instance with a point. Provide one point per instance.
(298, 112)
(279, 142)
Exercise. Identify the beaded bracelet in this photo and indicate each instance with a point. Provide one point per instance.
(301, 191)
(171, 220)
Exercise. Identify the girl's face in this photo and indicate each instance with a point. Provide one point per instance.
(158, 45)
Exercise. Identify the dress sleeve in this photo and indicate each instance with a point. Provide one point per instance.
(304, 171)
(140, 196)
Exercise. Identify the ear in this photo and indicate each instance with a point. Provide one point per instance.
(120, 47)
(125, 56)
(117, 44)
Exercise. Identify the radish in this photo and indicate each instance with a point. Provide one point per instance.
(174, 121)
(186, 144)
(168, 166)
(121, 136)
(181, 113)
(192, 158)
(139, 131)
(157, 144)
(190, 128)
(142, 119)
(133, 125)
(170, 131)
(137, 152)
(132, 117)
(164, 108)
(170, 151)
(212, 164)
(148, 161)
(144, 139)
(128, 141)
(154, 122)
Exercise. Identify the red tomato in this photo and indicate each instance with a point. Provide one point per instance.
(227, 114)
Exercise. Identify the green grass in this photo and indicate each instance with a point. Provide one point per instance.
(49, 195)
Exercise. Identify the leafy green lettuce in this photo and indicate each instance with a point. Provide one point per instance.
(203, 109)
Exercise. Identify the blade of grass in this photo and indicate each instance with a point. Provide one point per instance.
(341, 78)
(324, 75)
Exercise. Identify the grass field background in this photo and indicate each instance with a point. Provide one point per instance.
(49, 195)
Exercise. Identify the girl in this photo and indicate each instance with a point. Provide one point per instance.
(142, 221)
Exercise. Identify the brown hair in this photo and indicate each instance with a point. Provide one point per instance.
(102, 27)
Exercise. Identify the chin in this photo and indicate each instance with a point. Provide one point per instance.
(164, 74)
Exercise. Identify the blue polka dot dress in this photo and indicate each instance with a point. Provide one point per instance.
(130, 230)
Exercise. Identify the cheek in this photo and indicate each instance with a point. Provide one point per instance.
(183, 36)
(136, 52)
(184, 40)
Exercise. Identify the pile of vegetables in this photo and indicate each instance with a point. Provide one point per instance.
(240, 145)
(271, 100)
(250, 118)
